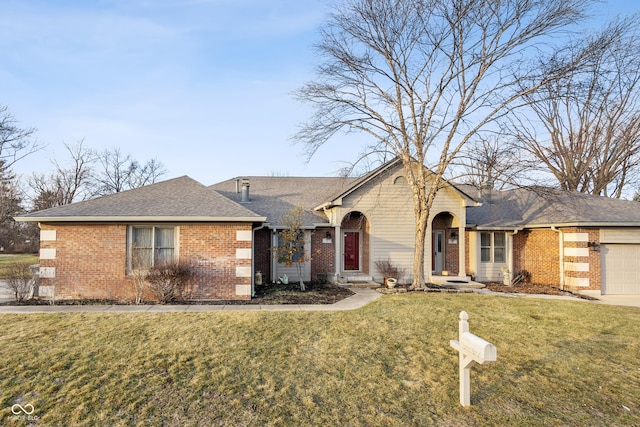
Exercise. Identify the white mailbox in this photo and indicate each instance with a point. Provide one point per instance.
(480, 350)
(472, 349)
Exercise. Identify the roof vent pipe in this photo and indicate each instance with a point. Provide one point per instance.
(245, 190)
(486, 190)
(238, 185)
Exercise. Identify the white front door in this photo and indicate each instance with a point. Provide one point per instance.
(437, 258)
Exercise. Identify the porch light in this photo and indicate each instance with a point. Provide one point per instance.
(594, 246)
(328, 235)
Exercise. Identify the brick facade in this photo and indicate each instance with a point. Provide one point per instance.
(91, 260)
(537, 252)
(322, 254)
(582, 265)
(262, 253)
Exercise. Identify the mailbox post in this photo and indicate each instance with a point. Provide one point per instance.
(472, 349)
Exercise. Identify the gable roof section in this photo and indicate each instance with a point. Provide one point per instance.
(274, 197)
(336, 199)
(541, 207)
(179, 199)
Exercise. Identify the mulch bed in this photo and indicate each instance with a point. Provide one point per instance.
(316, 293)
(532, 288)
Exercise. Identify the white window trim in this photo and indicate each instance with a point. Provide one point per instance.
(492, 248)
(176, 241)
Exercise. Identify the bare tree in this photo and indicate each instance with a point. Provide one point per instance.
(291, 250)
(422, 77)
(20, 280)
(87, 174)
(116, 172)
(586, 126)
(15, 142)
(147, 173)
(491, 159)
(69, 182)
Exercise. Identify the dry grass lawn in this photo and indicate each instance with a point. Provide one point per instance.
(387, 364)
(7, 260)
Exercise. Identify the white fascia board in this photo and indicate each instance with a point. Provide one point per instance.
(303, 227)
(504, 228)
(329, 205)
(141, 219)
(584, 224)
(556, 224)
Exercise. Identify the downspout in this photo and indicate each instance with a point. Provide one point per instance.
(561, 249)
(253, 257)
(510, 254)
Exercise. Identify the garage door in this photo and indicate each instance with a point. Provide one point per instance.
(620, 269)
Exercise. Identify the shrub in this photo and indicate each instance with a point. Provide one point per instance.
(168, 281)
(139, 284)
(20, 279)
(387, 268)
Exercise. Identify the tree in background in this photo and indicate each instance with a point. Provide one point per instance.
(491, 159)
(115, 172)
(87, 174)
(15, 142)
(423, 77)
(585, 127)
(10, 206)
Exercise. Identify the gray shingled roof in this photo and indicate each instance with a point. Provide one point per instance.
(274, 197)
(176, 199)
(533, 207)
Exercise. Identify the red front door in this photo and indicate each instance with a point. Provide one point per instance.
(352, 250)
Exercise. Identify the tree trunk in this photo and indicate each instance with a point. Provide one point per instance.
(421, 207)
(422, 220)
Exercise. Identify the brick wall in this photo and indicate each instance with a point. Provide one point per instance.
(262, 253)
(91, 260)
(322, 254)
(467, 258)
(582, 268)
(537, 252)
(214, 248)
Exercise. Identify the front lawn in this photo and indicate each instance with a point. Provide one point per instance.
(389, 363)
(7, 260)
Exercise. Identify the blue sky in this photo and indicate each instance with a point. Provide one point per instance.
(204, 86)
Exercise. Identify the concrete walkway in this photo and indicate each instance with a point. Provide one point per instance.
(361, 297)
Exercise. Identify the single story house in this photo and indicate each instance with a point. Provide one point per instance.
(579, 242)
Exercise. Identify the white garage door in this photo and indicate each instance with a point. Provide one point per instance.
(620, 269)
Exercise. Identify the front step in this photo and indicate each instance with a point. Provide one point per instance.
(440, 280)
(357, 278)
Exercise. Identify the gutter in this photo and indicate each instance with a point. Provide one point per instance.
(130, 218)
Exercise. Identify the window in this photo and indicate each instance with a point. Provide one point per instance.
(150, 245)
(493, 247)
(485, 247)
(290, 246)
